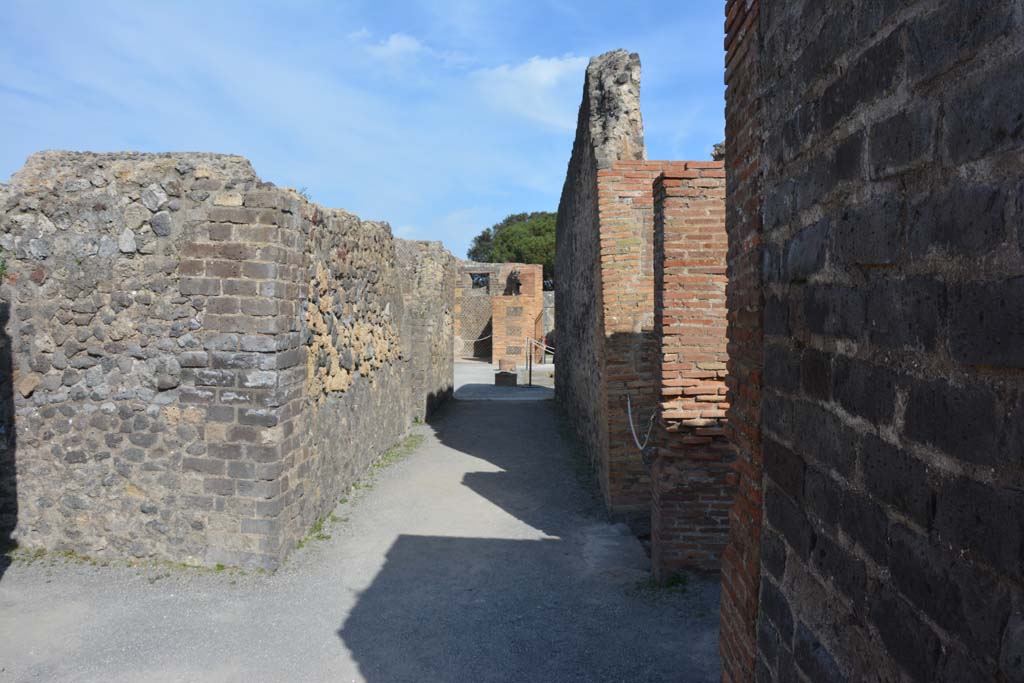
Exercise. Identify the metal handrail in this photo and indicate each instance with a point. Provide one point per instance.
(543, 347)
(531, 342)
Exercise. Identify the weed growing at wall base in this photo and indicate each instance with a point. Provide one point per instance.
(153, 570)
(398, 452)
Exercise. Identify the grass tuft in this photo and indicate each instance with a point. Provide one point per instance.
(650, 590)
(319, 531)
(398, 452)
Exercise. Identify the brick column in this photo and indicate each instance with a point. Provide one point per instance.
(513, 316)
(742, 556)
(692, 479)
(626, 211)
(241, 268)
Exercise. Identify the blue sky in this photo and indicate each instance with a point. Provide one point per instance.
(439, 117)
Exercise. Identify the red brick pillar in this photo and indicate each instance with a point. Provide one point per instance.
(742, 556)
(627, 275)
(514, 315)
(692, 478)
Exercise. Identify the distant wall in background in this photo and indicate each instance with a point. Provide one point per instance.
(517, 311)
(548, 319)
(492, 318)
(473, 329)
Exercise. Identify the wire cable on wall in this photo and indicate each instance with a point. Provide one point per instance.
(650, 426)
(647, 453)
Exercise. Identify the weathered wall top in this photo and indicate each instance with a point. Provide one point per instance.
(611, 108)
(58, 166)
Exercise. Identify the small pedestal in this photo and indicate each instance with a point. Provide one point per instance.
(505, 379)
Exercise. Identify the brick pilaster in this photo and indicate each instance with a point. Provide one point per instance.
(692, 478)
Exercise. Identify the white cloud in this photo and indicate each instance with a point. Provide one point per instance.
(396, 46)
(543, 90)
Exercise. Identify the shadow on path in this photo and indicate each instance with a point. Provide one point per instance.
(568, 602)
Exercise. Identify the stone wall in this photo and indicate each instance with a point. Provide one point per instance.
(893, 536)
(202, 362)
(427, 275)
(692, 479)
(548, 319)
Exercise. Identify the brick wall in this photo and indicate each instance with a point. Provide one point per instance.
(200, 362)
(493, 311)
(692, 479)
(608, 350)
(514, 316)
(893, 537)
(626, 215)
(742, 555)
(608, 129)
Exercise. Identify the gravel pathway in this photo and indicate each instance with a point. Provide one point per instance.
(482, 556)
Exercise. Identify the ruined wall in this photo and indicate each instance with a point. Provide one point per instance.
(473, 329)
(745, 300)
(691, 477)
(609, 129)
(893, 540)
(607, 341)
(195, 354)
(427, 276)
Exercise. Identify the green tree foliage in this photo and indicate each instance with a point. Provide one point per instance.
(520, 238)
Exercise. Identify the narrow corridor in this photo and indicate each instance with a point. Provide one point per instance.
(482, 556)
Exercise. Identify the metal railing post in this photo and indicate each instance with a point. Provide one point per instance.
(529, 361)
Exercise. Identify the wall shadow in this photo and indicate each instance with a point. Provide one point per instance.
(482, 347)
(537, 485)
(477, 391)
(456, 609)
(535, 609)
(8, 445)
(435, 400)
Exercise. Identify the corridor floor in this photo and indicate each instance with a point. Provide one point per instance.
(482, 556)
